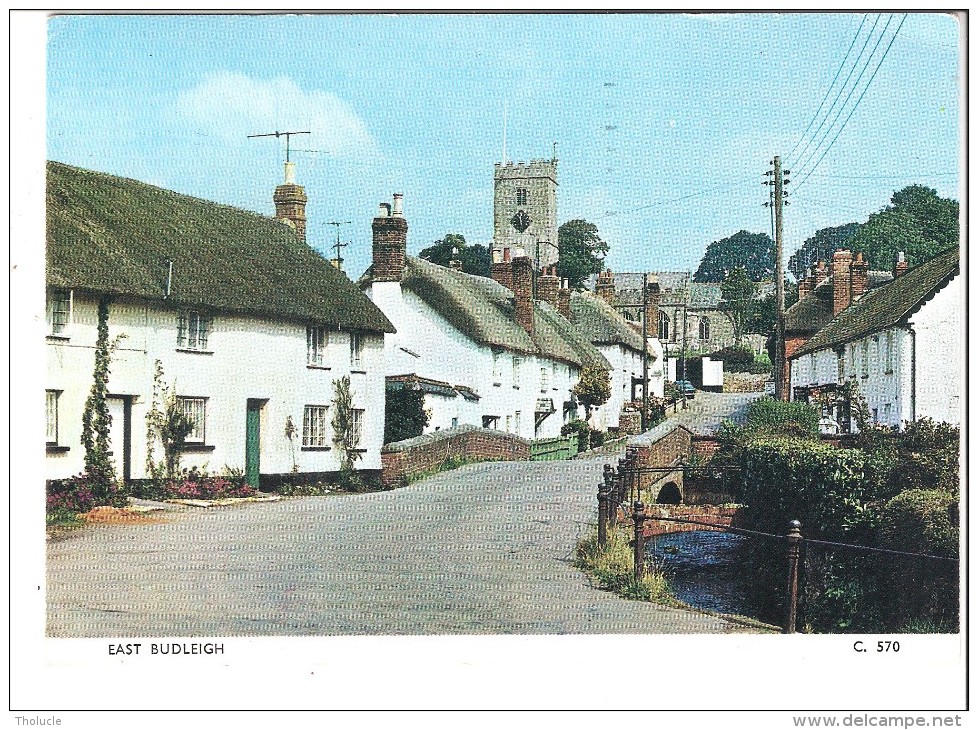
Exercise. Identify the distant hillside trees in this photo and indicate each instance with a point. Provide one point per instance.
(820, 247)
(753, 252)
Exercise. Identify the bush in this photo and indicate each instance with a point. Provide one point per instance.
(613, 568)
(198, 484)
(404, 415)
(734, 355)
(922, 521)
(582, 430)
(79, 494)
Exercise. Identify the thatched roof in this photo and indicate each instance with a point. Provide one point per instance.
(483, 310)
(889, 305)
(113, 235)
(601, 323)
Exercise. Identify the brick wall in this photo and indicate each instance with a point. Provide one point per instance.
(468, 443)
(663, 446)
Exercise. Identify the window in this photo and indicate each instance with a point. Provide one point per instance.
(356, 350)
(490, 422)
(192, 330)
(195, 409)
(516, 421)
(876, 415)
(705, 328)
(521, 196)
(508, 424)
(51, 416)
(314, 427)
(317, 338)
(663, 326)
(455, 422)
(517, 363)
(887, 407)
(356, 427)
(864, 360)
(59, 311)
(497, 367)
(888, 361)
(544, 380)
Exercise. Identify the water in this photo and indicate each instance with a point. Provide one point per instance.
(703, 570)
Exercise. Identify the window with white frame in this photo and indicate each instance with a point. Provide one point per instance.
(517, 364)
(314, 427)
(193, 329)
(51, 416)
(544, 380)
(864, 359)
(497, 367)
(887, 409)
(516, 421)
(508, 424)
(888, 353)
(356, 426)
(356, 350)
(59, 311)
(195, 409)
(317, 338)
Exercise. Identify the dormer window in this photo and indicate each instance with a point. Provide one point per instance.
(193, 329)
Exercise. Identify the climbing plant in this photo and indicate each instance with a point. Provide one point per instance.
(166, 424)
(345, 438)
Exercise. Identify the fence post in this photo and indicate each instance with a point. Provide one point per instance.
(630, 458)
(794, 552)
(638, 517)
(602, 515)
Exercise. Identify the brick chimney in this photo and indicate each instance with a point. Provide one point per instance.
(605, 287)
(502, 269)
(523, 292)
(653, 298)
(548, 287)
(820, 275)
(806, 285)
(563, 299)
(900, 268)
(859, 281)
(841, 294)
(290, 203)
(390, 241)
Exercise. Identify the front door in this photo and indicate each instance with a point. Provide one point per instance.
(120, 435)
(253, 442)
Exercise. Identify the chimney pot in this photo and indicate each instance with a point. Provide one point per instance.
(398, 205)
(901, 265)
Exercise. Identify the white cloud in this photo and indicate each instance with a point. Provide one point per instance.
(231, 106)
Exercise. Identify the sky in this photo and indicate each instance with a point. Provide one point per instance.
(664, 123)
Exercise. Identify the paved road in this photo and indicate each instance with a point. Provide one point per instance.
(484, 549)
(706, 411)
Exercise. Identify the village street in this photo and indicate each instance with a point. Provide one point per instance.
(483, 549)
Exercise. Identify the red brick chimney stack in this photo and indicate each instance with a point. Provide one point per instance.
(859, 280)
(841, 293)
(523, 292)
(901, 266)
(548, 287)
(390, 241)
(605, 286)
(290, 202)
(502, 269)
(653, 298)
(564, 298)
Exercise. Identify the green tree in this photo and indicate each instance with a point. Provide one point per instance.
(580, 251)
(346, 439)
(738, 294)
(404, 415)
(763, 315)
(753, 252)
(475, 259)
(917, 222)
(594, 387)
(820, 247)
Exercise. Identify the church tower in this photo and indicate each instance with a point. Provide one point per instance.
(525, 210)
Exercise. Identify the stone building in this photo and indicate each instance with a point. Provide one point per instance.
(525, 210)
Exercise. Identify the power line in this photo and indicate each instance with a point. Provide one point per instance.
(829, 91)
(839, 93)
(738, 184)
(856, 105)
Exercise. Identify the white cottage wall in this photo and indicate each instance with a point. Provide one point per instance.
(939, 353)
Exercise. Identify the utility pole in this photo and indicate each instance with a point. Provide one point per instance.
(338, 246)
(780, 366)
(645, 351)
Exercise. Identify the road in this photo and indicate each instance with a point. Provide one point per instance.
(483, 549)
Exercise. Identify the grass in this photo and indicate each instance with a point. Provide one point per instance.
(612, 568)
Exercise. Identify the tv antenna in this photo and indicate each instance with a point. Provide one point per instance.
(339, 246)
(287, 136)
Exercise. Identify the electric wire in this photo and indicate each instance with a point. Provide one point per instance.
(856, 105)
(831, 86)
(839, 94)
(801, 166)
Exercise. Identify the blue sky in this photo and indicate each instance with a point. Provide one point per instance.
(645, 110)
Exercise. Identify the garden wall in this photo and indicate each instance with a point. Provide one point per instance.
(403, 459)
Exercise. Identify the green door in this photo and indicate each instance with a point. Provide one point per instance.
(253, 443)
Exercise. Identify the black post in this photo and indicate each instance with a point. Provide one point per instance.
(794, 552)
(603, 495)
(638, 517)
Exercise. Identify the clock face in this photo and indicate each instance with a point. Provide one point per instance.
(521, 221)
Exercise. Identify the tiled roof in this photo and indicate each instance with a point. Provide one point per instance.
(888, 305)
(112, 235)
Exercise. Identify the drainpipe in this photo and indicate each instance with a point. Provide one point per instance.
(913, 373)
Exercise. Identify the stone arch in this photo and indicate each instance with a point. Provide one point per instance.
(669, 494)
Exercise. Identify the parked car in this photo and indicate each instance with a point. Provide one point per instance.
(686, 388)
